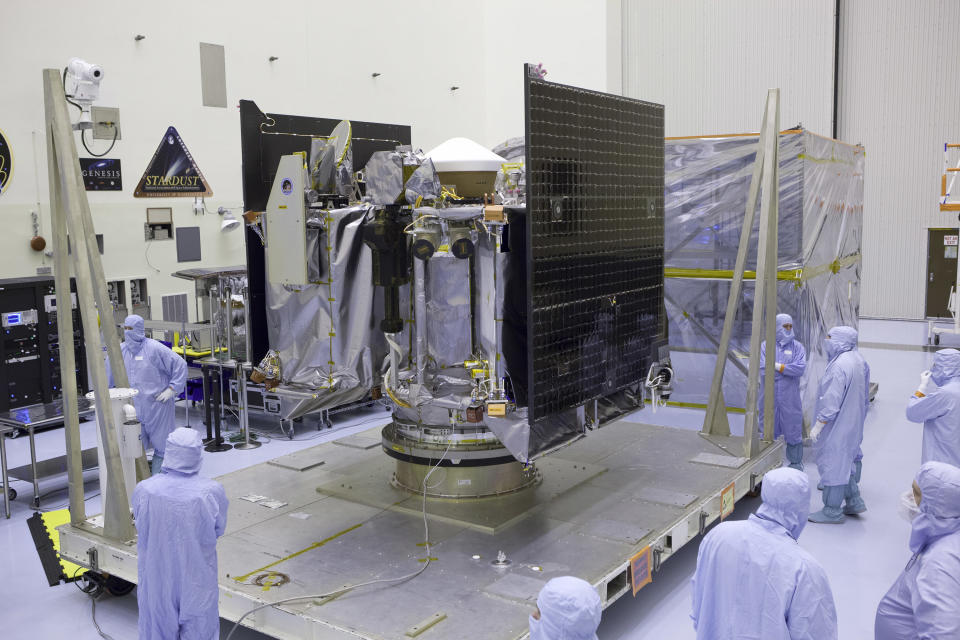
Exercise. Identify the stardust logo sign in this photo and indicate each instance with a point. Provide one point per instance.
(101, 174)
(6, 163)
(172, 172)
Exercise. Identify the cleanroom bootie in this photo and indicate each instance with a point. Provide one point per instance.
(831, 512)
(795, 456)
(854, 503)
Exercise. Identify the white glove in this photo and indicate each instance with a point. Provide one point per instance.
(778, 366)
(817, 428)
(926, 383)
(165, 395)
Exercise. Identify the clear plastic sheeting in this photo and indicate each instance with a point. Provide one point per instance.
(325, 332)
(819, 231)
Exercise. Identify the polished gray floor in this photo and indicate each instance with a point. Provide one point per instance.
(862, 557)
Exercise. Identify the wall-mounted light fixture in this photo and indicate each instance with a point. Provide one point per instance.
(454, 88)
(273, 58)
(139, 37)
(375, 74)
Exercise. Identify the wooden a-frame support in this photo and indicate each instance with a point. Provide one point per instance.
(70, 213)
(766, 172)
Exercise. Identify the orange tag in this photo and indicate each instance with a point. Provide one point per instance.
(640, 570)
(728, 500)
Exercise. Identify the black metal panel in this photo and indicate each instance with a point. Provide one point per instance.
(595, 180)
(264, 138)
(30, 353)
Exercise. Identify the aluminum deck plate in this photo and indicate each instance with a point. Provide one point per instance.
(344, 524)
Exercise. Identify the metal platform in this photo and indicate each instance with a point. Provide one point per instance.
(601, 500)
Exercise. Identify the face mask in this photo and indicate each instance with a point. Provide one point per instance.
(936, 374)
(535, 631)
(784, 336)
(830, 347)
(907, 508)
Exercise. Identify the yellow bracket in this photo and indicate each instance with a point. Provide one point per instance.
(725, 274)
(787, 275)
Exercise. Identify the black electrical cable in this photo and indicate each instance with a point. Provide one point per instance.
(93, 614)
(65, 91)
(91, 590)
(83, 139)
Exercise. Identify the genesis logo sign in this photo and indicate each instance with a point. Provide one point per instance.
(101, 174)
(6, 163)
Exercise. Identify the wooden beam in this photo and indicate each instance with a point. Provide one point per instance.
(68, 364)
(117, 523)
(715, 422)
(763, 327)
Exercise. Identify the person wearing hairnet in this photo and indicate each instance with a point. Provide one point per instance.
(842, 403)
(754, 581)
(924, 602)
(159, 375)
(937, 405)
(789, 365)
(179, 517)
(568, 608)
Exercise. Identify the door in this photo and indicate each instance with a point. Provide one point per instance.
(941, 270)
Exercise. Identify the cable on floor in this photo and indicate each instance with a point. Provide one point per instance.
(94, 589)
(426, 562)
(93, 615)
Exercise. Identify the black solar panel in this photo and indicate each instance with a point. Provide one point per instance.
(594, 243)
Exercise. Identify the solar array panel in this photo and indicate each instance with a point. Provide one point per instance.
(595, 178)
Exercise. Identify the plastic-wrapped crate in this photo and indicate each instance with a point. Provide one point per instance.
(819, 240)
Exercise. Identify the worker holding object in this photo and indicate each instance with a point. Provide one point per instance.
(936, 404)
(789, 365)
(159, 375)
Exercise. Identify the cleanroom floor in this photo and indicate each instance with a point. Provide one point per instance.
(862, 557)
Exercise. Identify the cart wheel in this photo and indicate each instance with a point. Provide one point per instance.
(936, 339)
(14, 433)
(12, 493)
(118, 586)
(756, 491)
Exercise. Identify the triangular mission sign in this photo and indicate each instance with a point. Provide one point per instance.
(172, 172)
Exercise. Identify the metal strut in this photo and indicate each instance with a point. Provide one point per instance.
(766, 172)
(70, 212)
